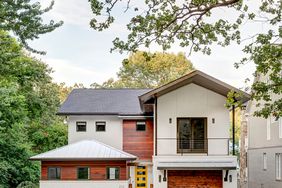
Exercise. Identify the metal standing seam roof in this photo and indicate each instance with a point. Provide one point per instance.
(103, 102)
(84, 150)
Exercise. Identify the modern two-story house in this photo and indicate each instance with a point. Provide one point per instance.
(264, 153)
(173, 136)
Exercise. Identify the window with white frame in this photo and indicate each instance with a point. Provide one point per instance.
(278, 157)
(264, 161)
(268, 134)
(280, 127)
(81, 126)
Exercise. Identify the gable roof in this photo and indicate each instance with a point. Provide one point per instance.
(196, 77)
(84, 150)
(103, 102)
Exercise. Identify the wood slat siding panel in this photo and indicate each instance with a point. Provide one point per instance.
(138, 143)
(97, 169)
(195, 179)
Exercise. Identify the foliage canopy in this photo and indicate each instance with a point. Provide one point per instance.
(193, 24)
(149, 70)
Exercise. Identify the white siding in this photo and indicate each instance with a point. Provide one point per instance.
(192, 101)
(112, 136)
(83, 184)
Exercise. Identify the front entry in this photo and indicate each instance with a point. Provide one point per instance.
(141, 176)
(195, 179)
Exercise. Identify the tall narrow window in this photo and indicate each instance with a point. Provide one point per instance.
(268, 129)
(81, 126)
(278, 163)
(100, 126)
(280, 127)
(140, 126)
(83, 173)
(264, 161)
(113, 173)
(54, 173)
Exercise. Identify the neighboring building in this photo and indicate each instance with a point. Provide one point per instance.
(174, 136)
(264, 165)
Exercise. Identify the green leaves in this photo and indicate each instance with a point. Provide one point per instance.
(149, 70)
(23, 18)
(192, 24)
(28, 103)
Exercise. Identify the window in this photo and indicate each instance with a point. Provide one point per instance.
(81, 126)
(54, 173)
(140, 126)
(280, 127)
(278, 158)
(83, 173)
(113, 173)
(268, 129)
(100, 126)
(264, 161)
(192, 135)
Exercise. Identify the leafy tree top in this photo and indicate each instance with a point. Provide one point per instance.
(188, 23)
(23, 18)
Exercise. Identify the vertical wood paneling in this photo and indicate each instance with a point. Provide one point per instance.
(193, 179)
(97, 169)
(139, 143)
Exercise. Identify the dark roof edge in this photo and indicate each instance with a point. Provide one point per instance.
(97, 113)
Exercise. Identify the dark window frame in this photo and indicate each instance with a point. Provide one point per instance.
(77, 168)
(48, 174)
(77, 129)
(205, 149)
(97, 122)
(108, 173)
(145, 125)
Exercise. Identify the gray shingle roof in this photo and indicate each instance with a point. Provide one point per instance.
(85, 150)
(103, 101)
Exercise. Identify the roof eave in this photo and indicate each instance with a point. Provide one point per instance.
(82, 159)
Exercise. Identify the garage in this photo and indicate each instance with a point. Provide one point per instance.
(195, 179)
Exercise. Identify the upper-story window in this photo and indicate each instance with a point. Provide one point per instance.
(54, 173)
(192, 135)
(81, 126)
(268, 133)
(280, 127)
(140, 126)
(100, 126)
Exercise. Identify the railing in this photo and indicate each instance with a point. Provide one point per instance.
(206, 146)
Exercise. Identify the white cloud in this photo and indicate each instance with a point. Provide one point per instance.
(65, 71)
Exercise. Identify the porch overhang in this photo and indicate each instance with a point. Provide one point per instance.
(197, 165)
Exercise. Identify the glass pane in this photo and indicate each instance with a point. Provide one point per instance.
(184, 133)
(198, 133)
(83, 173)
(100, 128)
(54, 173)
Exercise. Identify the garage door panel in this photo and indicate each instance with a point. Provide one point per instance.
(194, 179)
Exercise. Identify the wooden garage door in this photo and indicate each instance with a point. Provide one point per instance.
(194, 179)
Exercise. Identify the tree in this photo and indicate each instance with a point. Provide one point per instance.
(28, 104)
(149, 70)
(23, 18)
(188, 23)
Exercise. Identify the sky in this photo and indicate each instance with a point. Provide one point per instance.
(78, 54)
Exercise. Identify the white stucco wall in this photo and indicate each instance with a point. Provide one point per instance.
(192, 101)
(84, 184)
(112, 136)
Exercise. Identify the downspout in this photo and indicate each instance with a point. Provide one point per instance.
(156, 127)
(233, 129)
